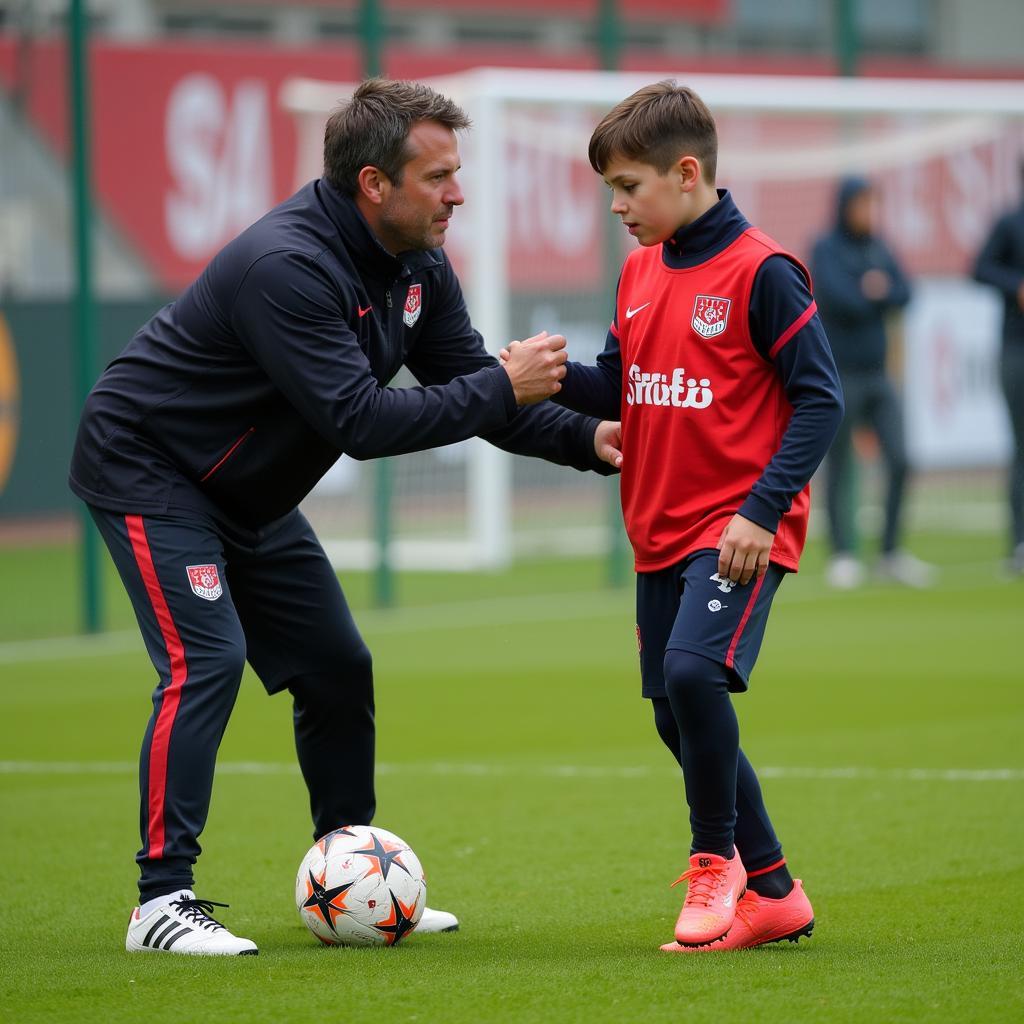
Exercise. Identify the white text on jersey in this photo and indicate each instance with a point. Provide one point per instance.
(681, 392)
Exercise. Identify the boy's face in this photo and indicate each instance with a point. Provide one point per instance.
(652, 206)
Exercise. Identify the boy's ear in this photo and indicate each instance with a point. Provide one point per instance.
(689, 171)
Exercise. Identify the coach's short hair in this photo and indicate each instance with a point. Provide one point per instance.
(372, 129)
(657, 125)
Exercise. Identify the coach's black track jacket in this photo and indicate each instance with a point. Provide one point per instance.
(240, 395)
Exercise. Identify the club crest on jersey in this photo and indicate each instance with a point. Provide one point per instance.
(413, 305)
(205, 581)
(710, 315)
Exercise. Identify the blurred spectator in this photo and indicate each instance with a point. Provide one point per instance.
(1001, 263)
(858, 284)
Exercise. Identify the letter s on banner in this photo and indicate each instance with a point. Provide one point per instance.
(220, 160)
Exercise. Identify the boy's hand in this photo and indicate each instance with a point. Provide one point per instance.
(608, 442)
(743, 550)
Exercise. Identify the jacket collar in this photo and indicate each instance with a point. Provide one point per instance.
(707, 236)
(363, 246)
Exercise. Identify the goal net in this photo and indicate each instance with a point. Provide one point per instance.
(536, 248)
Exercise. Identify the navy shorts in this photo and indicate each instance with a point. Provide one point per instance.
(689, 607)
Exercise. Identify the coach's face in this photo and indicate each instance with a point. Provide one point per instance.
(414, 214)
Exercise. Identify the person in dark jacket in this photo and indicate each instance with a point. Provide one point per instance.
(858, 284)
(198, 442)
(1001, 264)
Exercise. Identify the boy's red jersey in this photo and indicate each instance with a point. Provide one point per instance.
(703, 412)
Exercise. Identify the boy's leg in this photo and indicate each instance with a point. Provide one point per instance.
(195, 642)
(774, 907)
(755, 836)
(697, 689)
(714, 643)
(709, 650)
(302, 637)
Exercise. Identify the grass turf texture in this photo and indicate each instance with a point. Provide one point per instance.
(518, 759)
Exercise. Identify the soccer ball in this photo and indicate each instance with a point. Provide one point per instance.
(360, 886)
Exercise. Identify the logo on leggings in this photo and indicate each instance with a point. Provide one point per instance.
(725, 585)
(204, 581)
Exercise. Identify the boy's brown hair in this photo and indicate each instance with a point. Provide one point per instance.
(657, 125)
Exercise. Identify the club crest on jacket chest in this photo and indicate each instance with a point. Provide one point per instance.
(413, 305)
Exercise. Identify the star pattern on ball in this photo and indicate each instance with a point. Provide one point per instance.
(399, 922)
(328, 903)
(385, 854)
(324, 842)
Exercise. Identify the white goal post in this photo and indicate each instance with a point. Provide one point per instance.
(534, 249)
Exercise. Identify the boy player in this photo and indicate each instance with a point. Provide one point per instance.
(729, 399)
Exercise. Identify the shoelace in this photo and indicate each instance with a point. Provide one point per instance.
(703, 883)
(748, 907)
(198, 911)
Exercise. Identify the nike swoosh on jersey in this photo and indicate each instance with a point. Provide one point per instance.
(630, 312)
(363, 312)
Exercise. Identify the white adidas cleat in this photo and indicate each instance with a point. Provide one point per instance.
(183, 925)
(437, 921)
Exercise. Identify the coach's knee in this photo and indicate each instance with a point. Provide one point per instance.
(354, 665)
(691, 677)
(221, 663)
(346, 679)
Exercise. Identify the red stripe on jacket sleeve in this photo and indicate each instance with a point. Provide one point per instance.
(800, 322)
(161, 740)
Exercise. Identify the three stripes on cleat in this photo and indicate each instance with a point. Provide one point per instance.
(160, 937)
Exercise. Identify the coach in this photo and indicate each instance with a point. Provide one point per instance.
(198, 442)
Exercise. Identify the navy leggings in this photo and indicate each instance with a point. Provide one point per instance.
(697, 723)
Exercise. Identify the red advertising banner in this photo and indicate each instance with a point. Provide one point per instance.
(191, 144)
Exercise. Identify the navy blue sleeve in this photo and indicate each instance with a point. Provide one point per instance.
(288, 315)
(449, 346)
(596, 390)
(994, 265)
(787, 331)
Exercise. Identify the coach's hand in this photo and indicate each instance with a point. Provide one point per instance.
(535, 367)
(608, 442)
(743, 550)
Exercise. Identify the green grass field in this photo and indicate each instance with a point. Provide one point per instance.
(518, 759)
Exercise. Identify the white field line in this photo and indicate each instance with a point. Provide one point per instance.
(460, 615)
(547, 771)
